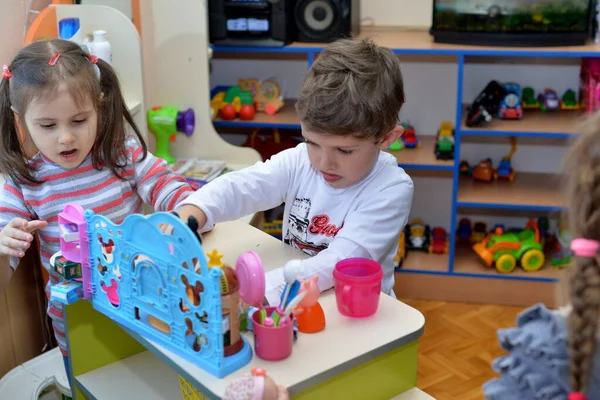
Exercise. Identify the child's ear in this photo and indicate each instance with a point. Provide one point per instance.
(391, 137)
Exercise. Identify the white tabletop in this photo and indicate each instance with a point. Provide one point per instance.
(315, 357)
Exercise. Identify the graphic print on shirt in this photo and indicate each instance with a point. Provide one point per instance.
(299, 226)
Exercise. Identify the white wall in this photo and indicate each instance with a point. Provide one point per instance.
(409, 13)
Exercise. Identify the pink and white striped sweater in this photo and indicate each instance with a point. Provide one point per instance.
(148, 181)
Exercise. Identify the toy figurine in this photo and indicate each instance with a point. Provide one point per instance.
(257, 386)
(309, 313)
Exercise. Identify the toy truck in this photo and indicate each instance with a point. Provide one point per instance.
(504, 249)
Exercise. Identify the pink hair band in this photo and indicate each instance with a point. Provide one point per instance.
(577, 396)
(585, 247)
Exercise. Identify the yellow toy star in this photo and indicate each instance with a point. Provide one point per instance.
(214, 259)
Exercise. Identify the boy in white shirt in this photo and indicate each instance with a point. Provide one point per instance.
(344, 197)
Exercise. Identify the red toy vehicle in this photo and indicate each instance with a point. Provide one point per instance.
(410, 137)
(439, 241)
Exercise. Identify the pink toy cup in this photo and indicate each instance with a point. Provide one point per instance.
(357, 286)
(272, 343)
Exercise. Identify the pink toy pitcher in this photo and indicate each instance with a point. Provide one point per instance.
(357, 286)
(272, 343)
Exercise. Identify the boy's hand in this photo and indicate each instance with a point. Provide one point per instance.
(16, 236)
(189, 210)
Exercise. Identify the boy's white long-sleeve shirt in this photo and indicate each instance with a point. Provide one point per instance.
(363, 220)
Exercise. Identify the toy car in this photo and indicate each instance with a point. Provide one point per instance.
(479, 231)
(505, 249)
(528, 100)
(548, 100)
(483, 171)
(401, 253)
(569, 101)
(485, 104)
(505, 171)
(444, 145)
(439, 241)
(510, 106)
(463, 232)
(410, 137)
(417, 235)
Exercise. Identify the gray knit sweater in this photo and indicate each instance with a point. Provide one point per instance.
(537, 365)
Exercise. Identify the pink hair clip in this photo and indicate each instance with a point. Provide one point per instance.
(576, 396)
(585, 248)
(6, 74)
(54, 59)
(93, 59)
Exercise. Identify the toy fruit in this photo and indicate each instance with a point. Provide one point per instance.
(247, 112)
(228, 112)
(505, 249)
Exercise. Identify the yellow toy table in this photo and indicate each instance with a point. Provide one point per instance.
(372, 358)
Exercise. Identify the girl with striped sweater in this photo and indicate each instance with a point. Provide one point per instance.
(63, 139)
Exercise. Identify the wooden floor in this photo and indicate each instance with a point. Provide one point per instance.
(458, 346)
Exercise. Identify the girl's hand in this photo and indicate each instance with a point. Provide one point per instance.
(16, 236)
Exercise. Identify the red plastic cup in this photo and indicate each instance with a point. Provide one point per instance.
(357, 286)
(272, 343)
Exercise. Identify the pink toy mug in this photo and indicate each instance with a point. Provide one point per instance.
(272, 343)
(357, 286)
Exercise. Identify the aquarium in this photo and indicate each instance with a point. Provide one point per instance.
(512, 22)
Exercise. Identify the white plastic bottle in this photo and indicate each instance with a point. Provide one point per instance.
(101, 47)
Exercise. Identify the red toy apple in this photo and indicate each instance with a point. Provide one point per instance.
(228, 112)
(247, 112)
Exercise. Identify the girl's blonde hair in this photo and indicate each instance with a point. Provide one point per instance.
(582, 173)
(31, 75)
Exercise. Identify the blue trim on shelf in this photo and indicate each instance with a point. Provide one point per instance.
(430, 167)
(476, 275)
(486, 132)
(503, 206)
(251, 124)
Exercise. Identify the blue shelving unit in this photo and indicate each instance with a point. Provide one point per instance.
(420, 43)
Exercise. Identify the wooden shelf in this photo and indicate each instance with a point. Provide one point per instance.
(285, 118)
(423, 156)
(468, 262)
(142, 376)
(528, 190)
(420, 41)
(534, 123)
(420, 261)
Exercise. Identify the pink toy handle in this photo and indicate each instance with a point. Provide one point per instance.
(346, 297)
(585, 247)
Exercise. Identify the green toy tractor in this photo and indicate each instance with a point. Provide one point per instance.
(504, 249)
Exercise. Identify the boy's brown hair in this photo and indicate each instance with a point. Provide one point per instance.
(32, 76)
(353, 88)
(582, 171)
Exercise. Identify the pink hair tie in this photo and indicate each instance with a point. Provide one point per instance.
(6, 74)
(576, 396)
(584, 248)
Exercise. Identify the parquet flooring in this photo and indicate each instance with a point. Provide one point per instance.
(458, 346)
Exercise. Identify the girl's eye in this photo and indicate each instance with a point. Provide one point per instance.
(345, 151)
(79, 121)
(47, 126)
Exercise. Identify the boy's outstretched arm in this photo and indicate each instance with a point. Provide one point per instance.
(231, 196)
(372, 231)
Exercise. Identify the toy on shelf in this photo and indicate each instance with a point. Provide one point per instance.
(510, 105)
(548, 100)
(479, 231)
(589, 88)
(569, 100)
(444, 145)
(401, 253)
(485, 104)
(483, 171)
(161, 286)
(505, 170)
(232, 103)
(528, 99)
(165, 122)
(267, 95)
(397, 145)
(563, 255)
(417, 235)
(409, 138)
(465, 168)
(463, 232)
(438, 243)
(504, 249)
